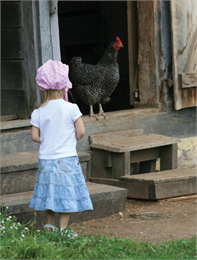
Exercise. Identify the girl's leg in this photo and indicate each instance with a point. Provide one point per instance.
(50, 217)
(64, 218)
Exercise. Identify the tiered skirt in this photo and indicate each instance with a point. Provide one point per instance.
(61, 187)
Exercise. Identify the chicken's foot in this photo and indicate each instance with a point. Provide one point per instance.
(101, 112)
(92, 113)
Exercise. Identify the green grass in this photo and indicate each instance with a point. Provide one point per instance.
(20, 242)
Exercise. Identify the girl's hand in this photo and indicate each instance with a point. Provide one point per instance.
(35, 134)
(80, 129)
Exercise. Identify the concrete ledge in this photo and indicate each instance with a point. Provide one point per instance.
(29, 160)
(107, 200)
(14, 124)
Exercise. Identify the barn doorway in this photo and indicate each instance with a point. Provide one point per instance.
(86, 29)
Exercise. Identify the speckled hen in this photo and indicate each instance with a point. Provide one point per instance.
(95, 83)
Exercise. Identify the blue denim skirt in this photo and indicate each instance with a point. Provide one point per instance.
(61, 186)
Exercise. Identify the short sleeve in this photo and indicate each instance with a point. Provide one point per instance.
(75, 113)
(34, 119)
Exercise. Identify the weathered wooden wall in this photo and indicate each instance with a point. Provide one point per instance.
(13, 99)
(184, 38)
(146, 52)
(30, 37)
(154, 53)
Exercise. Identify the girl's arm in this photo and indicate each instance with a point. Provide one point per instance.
(35, 134)
(80, 129)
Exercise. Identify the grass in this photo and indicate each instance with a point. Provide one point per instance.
(21, 242)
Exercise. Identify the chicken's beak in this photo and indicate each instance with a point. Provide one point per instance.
(122, 45)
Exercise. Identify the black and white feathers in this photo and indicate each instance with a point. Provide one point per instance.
(95, 83)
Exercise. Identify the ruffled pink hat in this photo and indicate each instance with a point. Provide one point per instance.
(54, 75)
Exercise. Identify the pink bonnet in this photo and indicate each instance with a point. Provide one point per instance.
(54, 75)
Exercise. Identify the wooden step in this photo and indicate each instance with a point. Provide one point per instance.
(133, 143)
(19, 171)
(107, 200)
(114, 157)
(157, 185)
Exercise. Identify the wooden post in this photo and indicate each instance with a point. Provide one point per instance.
(132, 47)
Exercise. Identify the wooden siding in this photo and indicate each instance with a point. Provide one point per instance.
(12, 56)
(10, 14)
(11, 40)
(11, 75)
(147, 78)
(184, 38)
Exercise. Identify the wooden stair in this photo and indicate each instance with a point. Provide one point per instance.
(116, 154)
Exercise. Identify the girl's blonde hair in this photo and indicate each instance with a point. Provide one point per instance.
(50, 94)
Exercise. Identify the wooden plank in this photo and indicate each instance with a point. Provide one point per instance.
(11, 44)
(145, 155)
(147, 78)
(54, 27)
(183, 198)
(11, 75)
(174, 188)
(132, 48)
(162, 176)
(108, 136)
(11, 14)
(135, 143)
(184, 44)
(155, 186)
(188, 80)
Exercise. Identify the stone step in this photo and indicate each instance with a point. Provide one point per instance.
(19, 171)
(107, 200)
(15, 124)
(6, 118)
(156, 185)
(16, 137)
(17, 141)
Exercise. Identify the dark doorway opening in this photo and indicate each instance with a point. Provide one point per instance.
(86, 29)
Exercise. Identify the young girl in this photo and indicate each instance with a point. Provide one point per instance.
(57, 125)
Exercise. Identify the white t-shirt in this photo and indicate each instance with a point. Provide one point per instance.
(57, 131)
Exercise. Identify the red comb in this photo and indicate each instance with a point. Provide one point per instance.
(118, 39)
(117, 44)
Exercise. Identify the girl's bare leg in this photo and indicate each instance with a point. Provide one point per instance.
(64, 218)
(50, 217)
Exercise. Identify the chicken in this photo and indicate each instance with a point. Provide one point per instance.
(95, 83)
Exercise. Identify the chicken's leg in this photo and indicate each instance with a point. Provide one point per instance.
(91, 111)
(101, 112)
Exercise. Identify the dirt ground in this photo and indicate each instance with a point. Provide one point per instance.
(150, 221)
